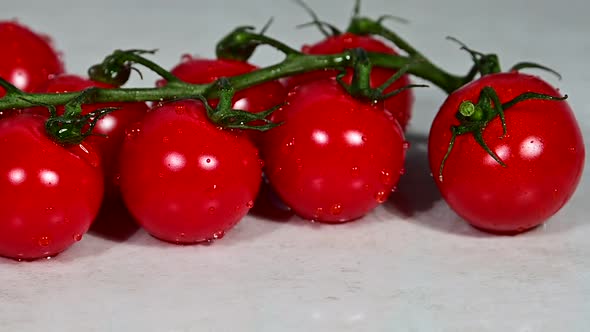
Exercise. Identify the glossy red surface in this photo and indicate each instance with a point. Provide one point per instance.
(400, 105)
(543, 152)
(50, 194)
(27, 59)
(184, 179)
(109, 131)
(335, 158)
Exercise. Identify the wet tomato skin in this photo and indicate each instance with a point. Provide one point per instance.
(400, 105)
(109, 131)
(543, 152)
(50, 193)
(184, 179)
(27, 59)
(334, 158)
(255, 99)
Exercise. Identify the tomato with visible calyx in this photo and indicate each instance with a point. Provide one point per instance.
(184, 179)
(27, 59)
(109, 132)
(334, 158)
(50, 192)
(255, 99)
(511, 175)
(399, 105)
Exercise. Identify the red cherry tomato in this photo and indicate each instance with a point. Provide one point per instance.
(50, 193)
(27, 59)
(184, 179)
(334, 158)
(109, 131)
(543, 152)
(254, 99)
(399, 105)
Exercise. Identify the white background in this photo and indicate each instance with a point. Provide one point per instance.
(411, 265)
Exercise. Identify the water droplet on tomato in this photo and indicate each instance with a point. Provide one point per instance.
(211, 210)
(336, 209)
(261, 162)
(186, 58)
(218, 235)
(179, 109)
(49, 208)
(77, 237)
(354, 171)
(386, 177)
(381, 196)
(161, 175)
(402, 171)
(406, 145)
(394, 189)
(116, 179)
(179, 131)
(366, 187)
(318, 212)
(364, 138)
(165, 139)
(44, 241)
(291, 143)
(133, 131)
(250, 204)
(208, 160)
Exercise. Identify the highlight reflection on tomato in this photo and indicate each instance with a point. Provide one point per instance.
(27, 59)
(334, 158)
(543, 152)
(400, 105)
(184, 179)
(50, 194)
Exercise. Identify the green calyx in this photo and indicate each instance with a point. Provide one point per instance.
(360, 86)
(116, 68)
(474, 118)
(241, 43)
(484, 64)
(72, 127)
(224, 115)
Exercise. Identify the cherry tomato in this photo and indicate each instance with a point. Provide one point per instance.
(50, 194)
(27, 59)
(109, 131)
(543, 152)
(184, 179)
(399, 105)
(334, 158)
(254, 99)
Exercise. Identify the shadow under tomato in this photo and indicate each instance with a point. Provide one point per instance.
(269, 206)
(416, 191)
(418, 199)
(114, 222)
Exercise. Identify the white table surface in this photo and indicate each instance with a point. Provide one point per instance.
(411, 265)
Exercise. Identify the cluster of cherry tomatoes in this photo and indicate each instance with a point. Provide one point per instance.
(332, 159)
